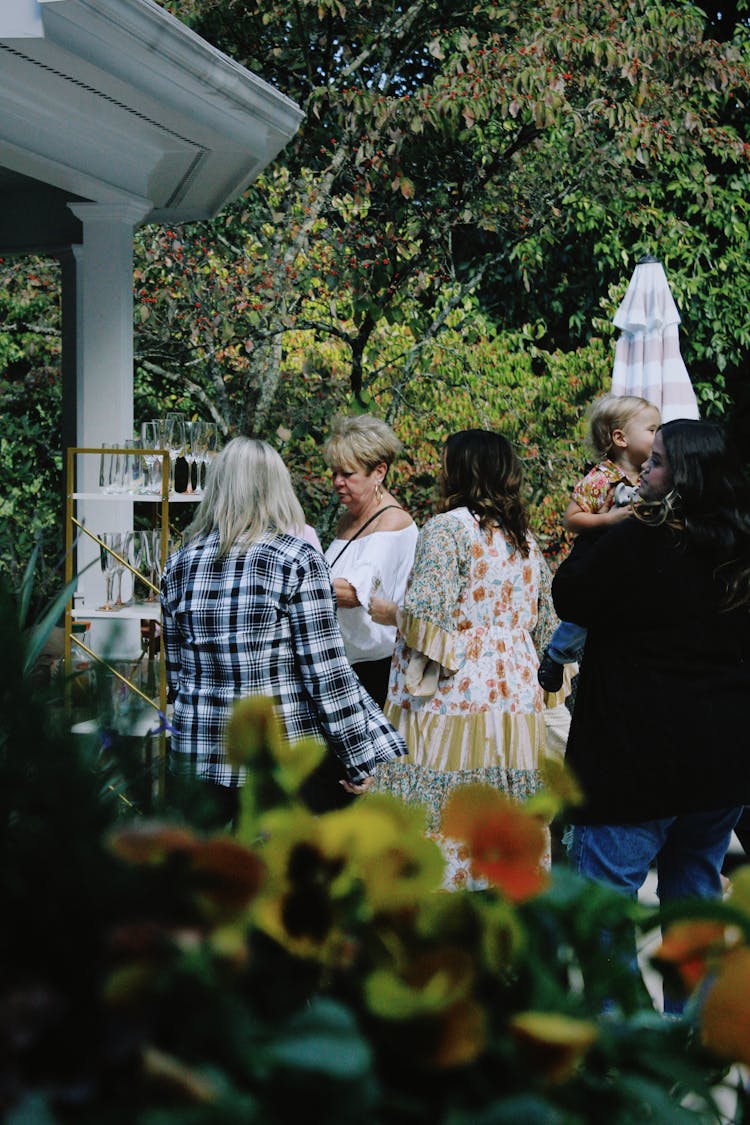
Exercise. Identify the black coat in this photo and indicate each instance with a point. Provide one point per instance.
(660, 724)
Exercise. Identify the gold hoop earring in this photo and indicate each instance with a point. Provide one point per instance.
(378, 492)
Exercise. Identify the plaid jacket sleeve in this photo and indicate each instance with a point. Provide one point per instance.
(354, 727)
(170, 640)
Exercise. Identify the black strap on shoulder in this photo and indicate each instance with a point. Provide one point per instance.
(361, 529)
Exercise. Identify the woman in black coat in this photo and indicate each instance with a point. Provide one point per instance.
(659, 740)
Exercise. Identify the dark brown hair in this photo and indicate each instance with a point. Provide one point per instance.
(709, 505)
(482, 473)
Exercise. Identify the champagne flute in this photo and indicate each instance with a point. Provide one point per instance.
(137, 559)
(152, 437)
(192, 441)
(211, 444)
(174, 441)
(158, 562)
(110, 542)
(134, 466)
(200, 445)
(122, 550)
(149, 544)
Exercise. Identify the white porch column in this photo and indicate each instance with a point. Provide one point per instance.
(104, 395)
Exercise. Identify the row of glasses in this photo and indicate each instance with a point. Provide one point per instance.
(195, 440)
(137, 553)
(121, 467)
(162, 433)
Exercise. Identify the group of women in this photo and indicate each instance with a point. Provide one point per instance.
(438, 629)
(414, 654)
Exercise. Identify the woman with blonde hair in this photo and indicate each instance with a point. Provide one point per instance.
(374, 546)
(248, 609)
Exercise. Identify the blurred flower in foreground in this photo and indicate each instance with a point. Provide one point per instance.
(222, 875)
(561, 790)
(506, 842)
(725, 1015)
(325, 871)
(299, 906)
(431, 993)
(555, 1044)
(690, 947)
(386, 842)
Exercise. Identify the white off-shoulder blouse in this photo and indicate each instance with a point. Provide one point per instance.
(377, 563)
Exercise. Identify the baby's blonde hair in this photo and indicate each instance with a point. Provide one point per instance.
(610, 413)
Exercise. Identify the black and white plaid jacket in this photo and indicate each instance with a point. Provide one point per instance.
(262, 621)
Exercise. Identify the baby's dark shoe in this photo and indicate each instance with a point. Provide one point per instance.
(550, 674)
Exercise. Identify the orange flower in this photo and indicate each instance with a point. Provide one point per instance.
(688, 947)
(725, 1017)
(228, 875)
(223, 874)
(506, 843)
(151, 842)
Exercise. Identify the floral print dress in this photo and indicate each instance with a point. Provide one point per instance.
(463, 690)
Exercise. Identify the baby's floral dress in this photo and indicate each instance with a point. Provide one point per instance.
(463, 690)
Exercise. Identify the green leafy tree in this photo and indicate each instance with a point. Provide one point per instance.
(452, 149)
(30, 403)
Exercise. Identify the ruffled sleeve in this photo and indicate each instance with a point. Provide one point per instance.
(546, 619)
(427, 619)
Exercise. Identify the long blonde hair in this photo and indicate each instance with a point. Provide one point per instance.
(248, 494)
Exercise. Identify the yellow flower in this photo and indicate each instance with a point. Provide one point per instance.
(426, 983)
(253, 727)
(386, 844)
(561, 790)
(506, 843)
(307, 883)
(462, 1035)
(554, 1043)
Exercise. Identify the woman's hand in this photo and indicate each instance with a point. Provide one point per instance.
(382, 611)
(346, 595)
(358, 788)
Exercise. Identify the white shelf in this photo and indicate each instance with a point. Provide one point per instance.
(139, 497)
(143, 611)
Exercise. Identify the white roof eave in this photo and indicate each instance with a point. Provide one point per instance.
(189, 128)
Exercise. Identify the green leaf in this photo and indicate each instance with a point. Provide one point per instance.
(323, 1038)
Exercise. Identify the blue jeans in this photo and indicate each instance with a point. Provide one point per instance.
(567, 641)
(688, 849)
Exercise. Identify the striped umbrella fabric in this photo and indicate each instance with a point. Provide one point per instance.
(648, 362)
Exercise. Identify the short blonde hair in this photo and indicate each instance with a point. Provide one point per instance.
(248, 494)
(360, 441)
(610, 413)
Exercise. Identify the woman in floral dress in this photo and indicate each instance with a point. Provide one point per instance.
(463, 690)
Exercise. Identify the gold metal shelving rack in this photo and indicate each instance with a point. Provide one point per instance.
(73, 529)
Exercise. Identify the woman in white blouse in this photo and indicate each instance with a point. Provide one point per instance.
(374, 546)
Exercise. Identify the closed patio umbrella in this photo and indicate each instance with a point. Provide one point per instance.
(648, 362)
